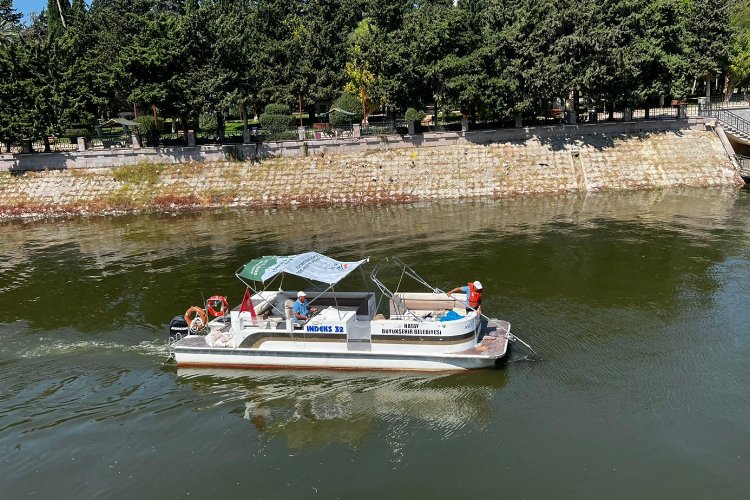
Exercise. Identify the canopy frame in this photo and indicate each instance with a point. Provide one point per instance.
(405, 271)
(288, 264)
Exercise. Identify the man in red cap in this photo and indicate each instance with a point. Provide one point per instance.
(473, 293)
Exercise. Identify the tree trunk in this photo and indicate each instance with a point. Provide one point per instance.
(362, 96)
(728, 88)
(708, 86)
(185, 129)
(220, 124)
(62, 18)
(47, 147)
(300, 110)
(244, 120)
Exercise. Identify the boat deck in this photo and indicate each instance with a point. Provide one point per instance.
(495, 340)
(489, 346)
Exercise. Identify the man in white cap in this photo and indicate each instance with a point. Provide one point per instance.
(473, 293)
(301, 309)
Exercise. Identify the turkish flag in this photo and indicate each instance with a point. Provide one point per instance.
(247, 305)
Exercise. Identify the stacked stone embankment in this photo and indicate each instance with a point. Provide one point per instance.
(581, 163)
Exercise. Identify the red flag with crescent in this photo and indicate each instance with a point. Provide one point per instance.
(247, 305)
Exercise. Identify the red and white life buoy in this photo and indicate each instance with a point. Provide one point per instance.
(217, 305)
(196, 319)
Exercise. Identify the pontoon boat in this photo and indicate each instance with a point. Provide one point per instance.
(423, 330)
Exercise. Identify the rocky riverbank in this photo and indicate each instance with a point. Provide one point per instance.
(581, 163)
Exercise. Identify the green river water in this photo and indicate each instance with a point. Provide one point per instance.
(636, 302)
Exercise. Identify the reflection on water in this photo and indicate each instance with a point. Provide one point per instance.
(313, 409)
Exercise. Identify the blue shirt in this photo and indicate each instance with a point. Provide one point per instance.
(300, 308)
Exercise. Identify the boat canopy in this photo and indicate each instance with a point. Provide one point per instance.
(310, 265)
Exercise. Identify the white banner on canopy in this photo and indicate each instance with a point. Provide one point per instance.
(310, 265)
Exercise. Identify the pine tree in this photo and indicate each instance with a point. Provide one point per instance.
(709, 37)
(8, 13)
(57, 17)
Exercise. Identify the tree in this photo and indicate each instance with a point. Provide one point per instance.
(361, 78)
(708, 38)
(9, 20)
(739, 59)
(57, 13)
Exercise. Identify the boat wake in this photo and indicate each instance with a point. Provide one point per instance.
(62, 347)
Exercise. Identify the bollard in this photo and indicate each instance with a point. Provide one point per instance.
(682, 112)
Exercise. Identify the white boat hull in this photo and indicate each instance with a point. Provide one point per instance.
(248, 358)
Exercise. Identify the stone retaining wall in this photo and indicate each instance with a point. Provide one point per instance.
(538, 165)
(117, 157)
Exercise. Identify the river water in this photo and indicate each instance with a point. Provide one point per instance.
(636, 302)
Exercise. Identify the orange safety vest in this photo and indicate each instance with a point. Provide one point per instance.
(475, 297)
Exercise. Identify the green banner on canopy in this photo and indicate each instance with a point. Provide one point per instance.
(310, 265)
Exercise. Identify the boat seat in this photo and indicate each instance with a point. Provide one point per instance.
(422, 304)
(289, 308)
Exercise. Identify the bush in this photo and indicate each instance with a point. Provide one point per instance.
(275, 123)
(412, 115)
(150, 129)
(350, 103)
(207, 123)
(278, 109)
(277, 118)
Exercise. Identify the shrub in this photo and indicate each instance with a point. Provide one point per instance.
(412, 115)
(350, 103)
(278, 109)
(208, 123)
(150, 129)
(277, 118)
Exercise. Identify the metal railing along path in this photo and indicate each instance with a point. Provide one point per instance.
(744, 163)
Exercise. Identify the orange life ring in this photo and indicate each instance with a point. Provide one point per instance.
(196, 315)
(217, 301)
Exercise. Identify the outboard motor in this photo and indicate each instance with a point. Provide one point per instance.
(178, 328)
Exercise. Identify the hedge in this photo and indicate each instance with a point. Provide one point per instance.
(276, 118)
